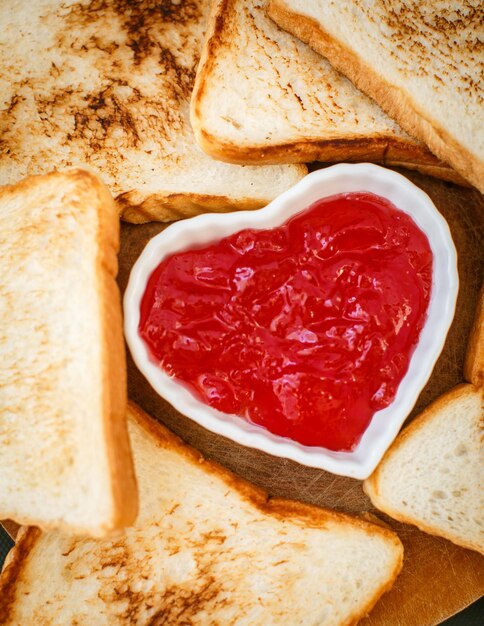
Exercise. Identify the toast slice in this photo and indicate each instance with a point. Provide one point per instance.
(109, 83)
(474, 362)
(419, 61)
(262, 96)
(207, 548)
(432, 474)
(64, 451)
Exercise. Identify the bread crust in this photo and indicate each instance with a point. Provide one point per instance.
(474, 361)
(114, 384)
(12, 568)
(392, 99)
(384, 149)
(371, 484)
(175, 206)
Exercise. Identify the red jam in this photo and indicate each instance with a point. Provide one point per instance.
(306, 329)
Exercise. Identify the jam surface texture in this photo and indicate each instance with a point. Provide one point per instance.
(306, 329)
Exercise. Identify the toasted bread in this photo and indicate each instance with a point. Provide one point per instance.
(419, 61)
(64, 449)
(432, 474)
(108, 83)
(207, 548)
(474, 362)
(262, 96)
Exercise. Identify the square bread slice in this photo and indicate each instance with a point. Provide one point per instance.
(433, 474)
(420, 61)
(64, 452)
(261, 95)
(207, 548)
(109, 84)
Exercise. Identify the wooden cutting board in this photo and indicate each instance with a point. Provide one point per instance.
(438, 578)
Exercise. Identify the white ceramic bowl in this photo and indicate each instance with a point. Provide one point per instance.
(205, 229)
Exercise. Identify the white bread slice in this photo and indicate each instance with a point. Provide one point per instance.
(64, 451)
(261, 95)
(474, 362)
(420, 61)
(207, 548)
(432, 475)
(109, 84)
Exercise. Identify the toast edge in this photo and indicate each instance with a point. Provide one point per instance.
(371, 484)
(12, 569)
(387, 151)
(170, 206)
(115, 395)
(392, 100)
(474, 360)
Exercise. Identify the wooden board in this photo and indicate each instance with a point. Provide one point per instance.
(438, 578)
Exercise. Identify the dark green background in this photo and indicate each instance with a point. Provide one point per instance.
(473, 616)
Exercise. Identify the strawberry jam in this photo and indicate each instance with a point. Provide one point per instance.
(306, 329)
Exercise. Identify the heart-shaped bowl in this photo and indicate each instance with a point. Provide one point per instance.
(205, 229)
